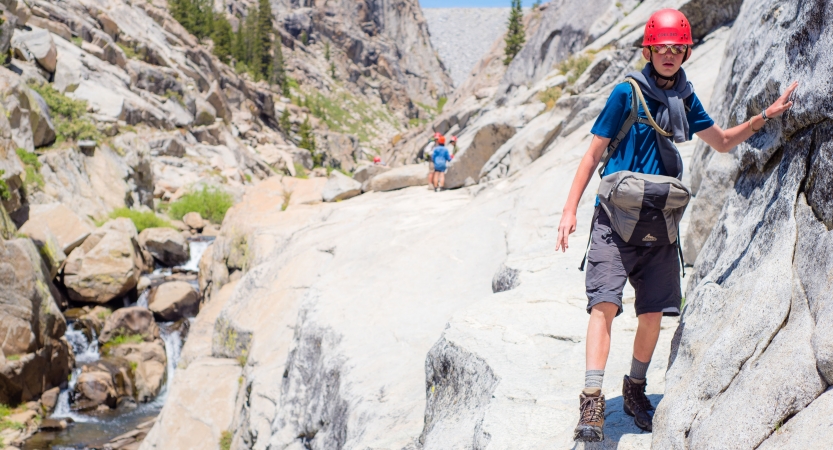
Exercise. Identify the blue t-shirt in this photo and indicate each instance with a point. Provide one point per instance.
(638, 151)
(441, 156)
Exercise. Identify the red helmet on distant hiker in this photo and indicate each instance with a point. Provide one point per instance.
(441, 140)
(377, 159)
(454, 139)
(667, 26)
(437, 136)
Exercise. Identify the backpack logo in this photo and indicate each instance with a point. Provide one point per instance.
(649, 238)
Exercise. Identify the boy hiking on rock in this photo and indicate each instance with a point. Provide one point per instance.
(640, 202)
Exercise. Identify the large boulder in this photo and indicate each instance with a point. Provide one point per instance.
(35, 356)
(107, 265)
(757, 319)
(340, 187)
(38, 45)
(217, 99)
(27, 112)
(399, 177)
(58, 220)
(166, 245)
(365, 173)
(107, 382)
(148, 365)
(476, 147)
(130, 321)
(204, 113)
(174, 300)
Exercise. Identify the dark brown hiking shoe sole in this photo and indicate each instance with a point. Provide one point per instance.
(640, 424)
(588, 433)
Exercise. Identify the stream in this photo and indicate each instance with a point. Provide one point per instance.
(93, 430)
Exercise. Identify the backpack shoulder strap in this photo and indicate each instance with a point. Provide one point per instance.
(626, 127)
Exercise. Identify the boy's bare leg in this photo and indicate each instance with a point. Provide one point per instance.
(440, 179)
(598, 335)
(647, 335)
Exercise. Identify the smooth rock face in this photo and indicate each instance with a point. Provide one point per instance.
(400, 177)
(340, 187)
(133, 320)
(174, 300)
(58, 220)
(104, 382)
(106, 265)
(166, 245)
(756, 319)
(31, 324)
(201, 406)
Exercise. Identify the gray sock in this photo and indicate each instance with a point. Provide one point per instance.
(593, 378)
(639, 369)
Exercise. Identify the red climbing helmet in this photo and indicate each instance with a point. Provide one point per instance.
(377, 159)
(667, 26)
(437, 136)
(454, 139)
(441, 140)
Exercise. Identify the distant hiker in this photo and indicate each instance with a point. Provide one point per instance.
(441, 157)
(641, 199)
(453, 141)
(377, 160)
(425, 154)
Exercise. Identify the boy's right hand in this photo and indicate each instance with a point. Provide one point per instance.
(565, 229)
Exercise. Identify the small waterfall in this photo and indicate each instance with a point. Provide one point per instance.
(85, 353)
(173, 347)
(196, 249)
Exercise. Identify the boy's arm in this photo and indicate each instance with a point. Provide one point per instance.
(725, 140)
(585, 171)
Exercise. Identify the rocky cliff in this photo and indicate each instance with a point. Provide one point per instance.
(753, 348)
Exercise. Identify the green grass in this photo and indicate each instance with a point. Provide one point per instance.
(212, 204)
(133, 366)
(550, 96)
(300, 171)
(129, 52)
(5, 193)
(126, 339)
(441, 103)
(345, 113)
(103, 315)
(77, 40)
(68, 115)
(574, 66)
(5, 410)
(9, 425)
(32, 165)
(13, 358)
(142, 220)
(225, 440)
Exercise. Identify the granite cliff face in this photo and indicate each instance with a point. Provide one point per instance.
(753, 346)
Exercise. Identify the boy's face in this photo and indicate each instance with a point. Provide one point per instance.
(668, 64)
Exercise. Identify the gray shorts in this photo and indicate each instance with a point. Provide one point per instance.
(654, 272)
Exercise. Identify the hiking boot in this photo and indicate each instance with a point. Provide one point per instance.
(637, 404)
(591, 421)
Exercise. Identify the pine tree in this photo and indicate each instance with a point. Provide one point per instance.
(264, 36)
(278, 71)
(333, 70)
(253, 51)
(284, 122)
(223, 38)
(327, 50)
(515, 32)
(307, 139)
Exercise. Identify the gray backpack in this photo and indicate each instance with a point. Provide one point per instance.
(644, 210)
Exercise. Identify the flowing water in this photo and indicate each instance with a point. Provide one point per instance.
(96, 429)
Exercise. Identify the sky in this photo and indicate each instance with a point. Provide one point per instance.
(470, 3)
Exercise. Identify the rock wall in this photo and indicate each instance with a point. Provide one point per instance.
(752, 354)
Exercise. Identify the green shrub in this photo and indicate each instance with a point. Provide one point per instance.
(67, 115)
(9, 425)
(574, 66)
(225, 440)
(441, 103)
(32, 165)
(211, 203)
(129, 52)
(142, 220)
(550, 96)
(5, 193)
(120, 339)
(5, 410)
(300, 171)
(13, 358)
